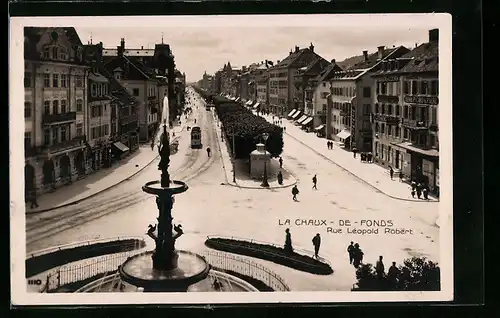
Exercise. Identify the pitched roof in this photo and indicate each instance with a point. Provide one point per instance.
(424, 58)
(290, 59)
(117, 91)
(328, 72)
(136, 70)
(372, 59)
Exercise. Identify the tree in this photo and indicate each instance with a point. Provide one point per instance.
(416, 274)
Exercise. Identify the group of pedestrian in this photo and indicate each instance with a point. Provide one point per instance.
(316, 241)
(355, 254)
(329, 144)
(392, 275)
(420, 189)
(295, 189)
(366, 157)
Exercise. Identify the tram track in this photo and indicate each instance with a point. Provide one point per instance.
(89, 211)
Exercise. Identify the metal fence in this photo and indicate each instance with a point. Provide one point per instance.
(229, 262)
(140, 242)
(79, 271)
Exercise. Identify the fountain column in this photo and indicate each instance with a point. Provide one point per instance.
(165, 269)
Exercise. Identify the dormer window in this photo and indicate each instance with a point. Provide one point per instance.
(93, 90)
(46, 53)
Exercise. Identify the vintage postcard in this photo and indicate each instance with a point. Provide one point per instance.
(253, 159)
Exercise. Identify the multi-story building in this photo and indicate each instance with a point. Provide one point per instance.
(141, 82)
(351, 99)
(282, 89)
(405, 121)
(55, 81)
(262, 89)
(316, 97)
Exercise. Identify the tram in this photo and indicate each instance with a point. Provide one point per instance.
(196, 137)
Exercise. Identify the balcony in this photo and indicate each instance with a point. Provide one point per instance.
(415, 124)
(425, 100)
(64, 146)
(389, 119)
(433, 127)
(344, 113)
(152, 97)
(128, 119)
(58, 118)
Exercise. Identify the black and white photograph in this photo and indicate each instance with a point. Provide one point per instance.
(306, 157)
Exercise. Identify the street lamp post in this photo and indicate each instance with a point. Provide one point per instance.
(264, 180)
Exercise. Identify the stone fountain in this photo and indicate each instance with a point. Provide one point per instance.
(165, 269)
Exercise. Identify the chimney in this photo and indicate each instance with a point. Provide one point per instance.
(296, 49)
(311, 47)
(381, 51)
(434, 35)
(290, 52)
(365, 55)
(333, 61)
(278, 61)
(122, 43)
(142, 47)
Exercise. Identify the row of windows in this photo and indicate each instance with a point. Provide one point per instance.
(97, 110)
(344, 91)
(54, 52)
(280, 74)
(152, 91)
(409, 112)
(57, 108)
(56, 134)
(54, 80)
(421, 87)
(98, 90)
(99, 131)
(388, 88)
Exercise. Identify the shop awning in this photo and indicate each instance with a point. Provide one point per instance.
(296, 115)
(256, 105)
(307, 121)
(319, 127)
(302, 118)
(247, 103)
(237, 99)
(344, 134)
(428, 152)
(121, 147)
(290, 114)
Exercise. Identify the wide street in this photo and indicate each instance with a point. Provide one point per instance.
(210, 207)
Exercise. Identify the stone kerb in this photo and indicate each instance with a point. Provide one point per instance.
(243, 179)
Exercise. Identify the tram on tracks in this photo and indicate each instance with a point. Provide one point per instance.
(196, 138)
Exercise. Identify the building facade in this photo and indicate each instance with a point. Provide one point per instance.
(55, 82)
(262, 89)
(405, 114)
(351, 100)
(282, 88)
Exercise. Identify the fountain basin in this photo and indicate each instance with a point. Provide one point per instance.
(138, 271)
(175, 187)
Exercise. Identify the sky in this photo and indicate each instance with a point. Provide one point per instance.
(205, 45)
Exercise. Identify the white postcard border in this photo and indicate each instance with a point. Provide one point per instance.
(19, 294)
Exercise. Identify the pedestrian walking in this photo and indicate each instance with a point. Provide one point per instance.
(208, 151)
(315, 181)
(350, 250)
(354, 151)
(288, 242)
(413, 193)
(32, 199)
(281, 162)
(295, 191)
(425, 192)
(379, 267)
(153, 145)
(316, 242)
(280, 178)
(419, 190)
(391, 172)
(328, 144)
(400, 176)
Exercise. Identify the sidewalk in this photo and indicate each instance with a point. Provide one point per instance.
(243, 180)
(101, 180)
(371, 174)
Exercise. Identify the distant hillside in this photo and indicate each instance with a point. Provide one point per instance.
(350, 62)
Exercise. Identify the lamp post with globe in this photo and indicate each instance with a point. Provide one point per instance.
(265, 183)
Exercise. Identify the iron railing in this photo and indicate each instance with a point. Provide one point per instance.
(79, 271)
(228, 262)
(83, 243)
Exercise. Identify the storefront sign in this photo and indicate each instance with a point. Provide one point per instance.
(437, 177)
(387, 99)
(428, 100)
(391, 79)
